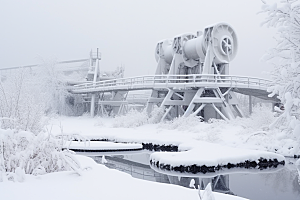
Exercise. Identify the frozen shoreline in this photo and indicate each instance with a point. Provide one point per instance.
(96, 182)
(233, 134)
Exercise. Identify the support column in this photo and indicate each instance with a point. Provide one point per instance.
(191, 106)
(166, 113)
(219, 112)
(250, 104)
(199, 109)
(92, 111)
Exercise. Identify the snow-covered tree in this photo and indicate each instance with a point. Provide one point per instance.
(21, 102)
(52, 82)
(26, 95)
(285, 16)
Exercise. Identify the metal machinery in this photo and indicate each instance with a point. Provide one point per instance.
(191, 78)
(206, 53)
(104, 103)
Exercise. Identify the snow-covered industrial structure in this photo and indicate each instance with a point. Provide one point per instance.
(191, 78)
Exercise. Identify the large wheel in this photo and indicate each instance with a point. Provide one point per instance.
(224, 42)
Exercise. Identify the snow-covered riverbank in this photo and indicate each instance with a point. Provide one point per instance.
(249, 133)
(96, 182)
(111, 184)
(100, 182)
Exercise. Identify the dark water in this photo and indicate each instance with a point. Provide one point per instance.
(281, 185)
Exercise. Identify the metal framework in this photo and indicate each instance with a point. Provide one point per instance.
(189, 93)
(191, 78)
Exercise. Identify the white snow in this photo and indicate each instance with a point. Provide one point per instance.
(101, 145)
(210, 153)
(249, 133)
(96, 182)
(204, 153)
(103, 160)
(207, 194)
(298, 167)
(189, 133)
(100, 182)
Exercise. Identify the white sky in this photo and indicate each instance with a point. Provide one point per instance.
(126, 31)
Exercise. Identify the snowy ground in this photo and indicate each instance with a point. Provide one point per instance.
(102, 146)
(96, 182)
(101, 182)
(250, 133)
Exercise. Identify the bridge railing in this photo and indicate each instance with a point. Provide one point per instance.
(192, 80)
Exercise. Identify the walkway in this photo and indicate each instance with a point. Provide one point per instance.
(245, 85)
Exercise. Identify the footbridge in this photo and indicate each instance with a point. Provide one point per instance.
(180, 85)
(241, 84)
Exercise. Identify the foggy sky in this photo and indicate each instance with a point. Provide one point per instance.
(126, 31)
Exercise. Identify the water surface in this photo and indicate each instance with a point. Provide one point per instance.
(281, 185)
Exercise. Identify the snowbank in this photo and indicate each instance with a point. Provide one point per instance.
(22, 152)
(101, 146)
(200, 158)
(242, 133)
(96, 182)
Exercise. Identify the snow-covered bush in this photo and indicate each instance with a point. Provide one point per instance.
(259, 120)
(156, 115)
(22, 152)
(136, 118)
(99, 122)
(131, 119)
(182, 123)
(244, 103)
(286, 60)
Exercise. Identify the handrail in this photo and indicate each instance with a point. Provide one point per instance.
(192, 80)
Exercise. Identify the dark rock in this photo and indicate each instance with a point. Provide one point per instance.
(167, 167)
(253, 164)
(229, 165)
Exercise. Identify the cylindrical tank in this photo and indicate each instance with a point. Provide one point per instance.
(224, 44)
(179, 42)
(221, 37)
(168, 53)
(164, 50)
(193, 49)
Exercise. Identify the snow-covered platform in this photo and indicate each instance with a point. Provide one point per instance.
(207, 159)
(102, 146)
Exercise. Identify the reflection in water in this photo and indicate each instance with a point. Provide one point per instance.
(282, 184)
(279, 185)
(279, 180)
(142, 171)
